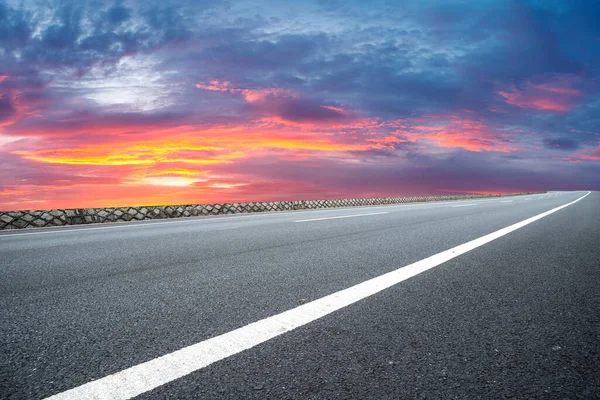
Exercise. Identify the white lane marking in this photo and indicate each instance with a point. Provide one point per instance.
(528, 198)
(178, 220)
(149, 375)
(341, 216)
(130, 225)
(465, 205)
(506, 201)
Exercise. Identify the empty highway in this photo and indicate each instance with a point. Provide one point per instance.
(485, 298)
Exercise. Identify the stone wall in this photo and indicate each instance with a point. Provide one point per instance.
(77, 216)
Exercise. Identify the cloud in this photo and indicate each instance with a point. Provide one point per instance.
(77, 36)
(7, 110)
(280, 104)
(557, 95)
(250, 95)
(118, 14)
(287, 50)
(296, 110)
(593, 155)
(455, 131)
(566, 144)
(15, 29)
(207, 101)
(97, 123)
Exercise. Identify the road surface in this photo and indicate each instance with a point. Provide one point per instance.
(490, 315)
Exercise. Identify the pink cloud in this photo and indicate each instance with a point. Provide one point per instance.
(557, 94)
(281, 105)
(594, 155)
(338, 110)
(455, 131)
(250, 95)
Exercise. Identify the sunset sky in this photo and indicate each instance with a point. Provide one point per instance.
(108, 103)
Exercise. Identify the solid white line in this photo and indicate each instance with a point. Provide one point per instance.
(146, 376)
(465, 205)
(341, 216)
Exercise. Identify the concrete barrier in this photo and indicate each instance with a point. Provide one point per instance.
(77, 216)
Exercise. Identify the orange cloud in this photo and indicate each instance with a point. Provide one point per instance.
(181, 171)
(175, 152)
(226, 185)
(161, 166)
(169, 159)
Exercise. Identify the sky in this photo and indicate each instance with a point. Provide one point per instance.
(115, 103)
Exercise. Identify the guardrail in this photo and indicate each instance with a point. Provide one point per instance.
(78, 216)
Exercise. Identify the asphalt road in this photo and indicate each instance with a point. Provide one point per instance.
(518, 317)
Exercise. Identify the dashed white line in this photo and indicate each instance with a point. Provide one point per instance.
(149, 375)
(144, 223)
(130, 225)
(341, 216)
(465, 205)
(506, 201)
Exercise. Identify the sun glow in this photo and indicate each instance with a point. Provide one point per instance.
(180, 181)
